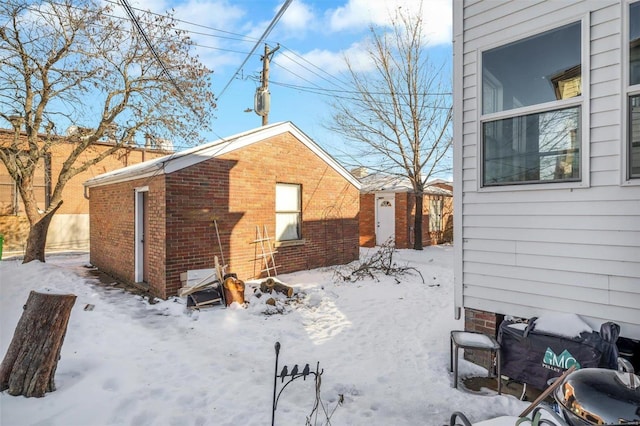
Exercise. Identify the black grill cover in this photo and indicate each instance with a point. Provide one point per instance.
(533, 357)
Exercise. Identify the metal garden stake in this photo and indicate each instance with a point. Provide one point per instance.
(292, 375)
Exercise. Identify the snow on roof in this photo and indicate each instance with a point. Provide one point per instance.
(381, 182)
(180, 160)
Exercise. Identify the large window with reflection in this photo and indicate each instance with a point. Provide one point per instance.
(634, 92)
(532, 108)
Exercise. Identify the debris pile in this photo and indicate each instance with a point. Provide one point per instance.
(272, 296)
(380, 261)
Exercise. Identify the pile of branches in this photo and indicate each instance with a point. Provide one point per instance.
(380, 261)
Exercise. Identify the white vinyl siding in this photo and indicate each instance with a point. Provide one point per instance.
(536, 248)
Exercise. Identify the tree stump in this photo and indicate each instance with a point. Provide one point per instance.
(29, 366)
(233, 290)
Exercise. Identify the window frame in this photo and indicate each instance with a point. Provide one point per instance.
(298, 211)
(581, 101)
(628, 90)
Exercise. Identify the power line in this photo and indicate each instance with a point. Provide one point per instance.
(266, 32)
(243, 38)
(317, 89)
(303, 67)
(314, 66)
(335, 93)
(293, 86)
(203, 46)
(323, 92)
(134, 19)
(299, 76)
(238, 37)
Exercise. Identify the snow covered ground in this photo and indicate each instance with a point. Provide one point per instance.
(382, 345)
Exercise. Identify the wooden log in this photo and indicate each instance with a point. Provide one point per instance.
(233, 290)
(269, 285)
(30, 363)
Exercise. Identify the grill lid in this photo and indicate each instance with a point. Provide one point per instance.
(601, 396)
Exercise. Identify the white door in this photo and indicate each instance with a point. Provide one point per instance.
(141, 221)
(385, 218)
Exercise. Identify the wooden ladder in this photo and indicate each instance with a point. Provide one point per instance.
(266, 251)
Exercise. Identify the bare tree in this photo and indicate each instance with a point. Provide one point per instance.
(68, 62)
(398, 117)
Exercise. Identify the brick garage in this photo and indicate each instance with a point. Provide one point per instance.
(434, 231)
(234, 181)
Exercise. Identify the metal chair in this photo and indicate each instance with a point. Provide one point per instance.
(477, 342)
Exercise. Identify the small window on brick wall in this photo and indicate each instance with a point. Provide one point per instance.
(288, 212)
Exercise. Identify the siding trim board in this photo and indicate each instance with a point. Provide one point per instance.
(527, 249)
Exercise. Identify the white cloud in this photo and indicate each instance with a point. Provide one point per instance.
(326, 64)
(359, 14)
(216, 13)
(213, 14)
(297, 20)
(359, 58)
(298, 17)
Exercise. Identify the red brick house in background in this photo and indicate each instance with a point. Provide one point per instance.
(69, 229)
(387, 210)
(152, 221)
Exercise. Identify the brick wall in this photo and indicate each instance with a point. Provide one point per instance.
(15, 228)
(483, 322)
(367, 224)
(73, 194)
(403, 224)
(112, 223)
(238, 190)
(405, 208)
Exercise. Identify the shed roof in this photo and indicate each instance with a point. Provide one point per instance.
(381, 182)
(195, 155)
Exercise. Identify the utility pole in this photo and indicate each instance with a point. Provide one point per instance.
(262, 98)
